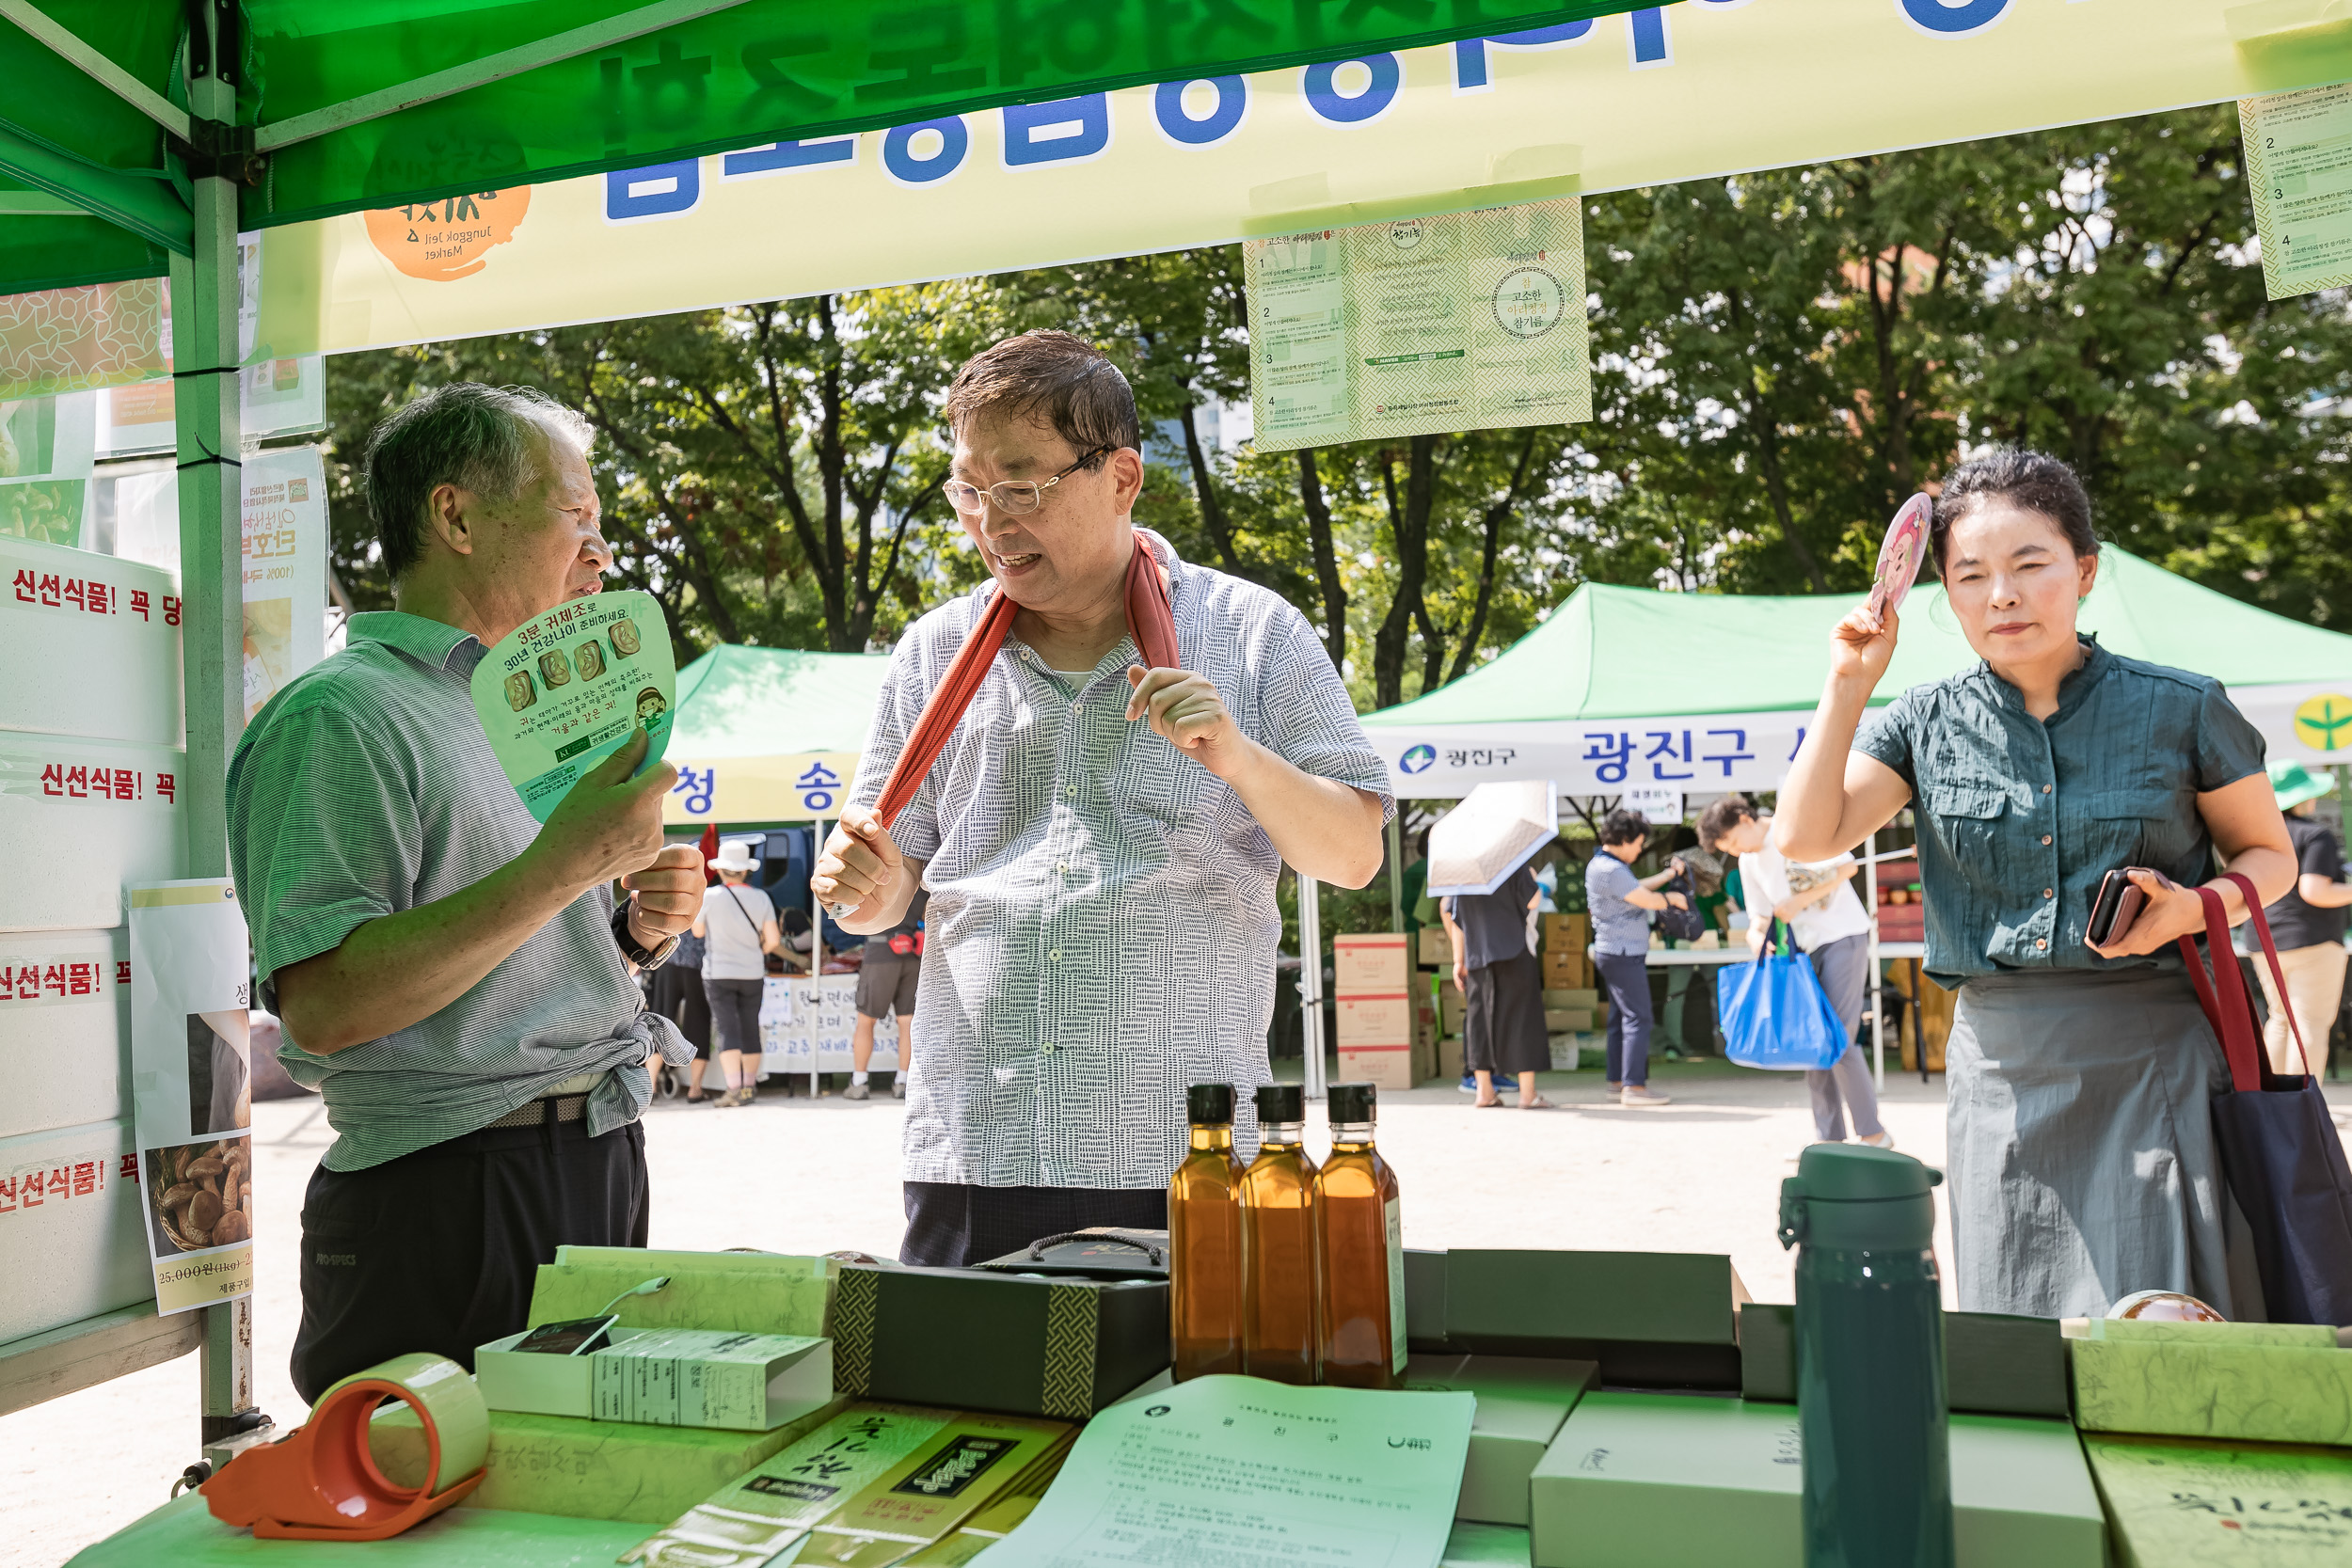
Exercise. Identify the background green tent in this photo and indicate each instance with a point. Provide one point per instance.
(769, 735)
(1629, 687)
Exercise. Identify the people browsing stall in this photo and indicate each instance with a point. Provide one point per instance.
(2080, 1153)
(453, 977)
(1621, 904)
(1832, 930)
(887, 980)
(1503, 988)
(2307, 926)
(1101, 849)
(737, 925)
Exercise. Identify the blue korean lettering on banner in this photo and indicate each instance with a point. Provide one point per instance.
(1320, 83)
(905, 163)
(1730, 752)
(817, 787)
(1066, 131)
(1168, 109)
(1952, 19)
(1647, 40)
(779, 156)
(1470, 54)
(697, 788)
(658, 191)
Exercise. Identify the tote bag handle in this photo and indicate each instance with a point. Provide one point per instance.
(2270, 955)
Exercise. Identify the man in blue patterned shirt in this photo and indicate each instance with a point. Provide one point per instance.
(1100, 841)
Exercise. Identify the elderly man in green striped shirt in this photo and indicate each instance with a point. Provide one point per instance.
(453, 977)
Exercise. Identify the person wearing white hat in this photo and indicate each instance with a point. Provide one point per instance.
(738, 930)
(2307, 926)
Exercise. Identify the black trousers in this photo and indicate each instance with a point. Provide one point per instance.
(437, 1250)
(950, 1225)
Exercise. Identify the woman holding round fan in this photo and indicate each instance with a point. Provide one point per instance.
(2081, 1158)
(1096, 764)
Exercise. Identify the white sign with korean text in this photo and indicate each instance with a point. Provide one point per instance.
(90, 642)
(78, 820)
(65, 1028)
(69, 1198)
(283, 524)
(1659, 805)
(808, 1026)
(1686, 754)
(192, 1089)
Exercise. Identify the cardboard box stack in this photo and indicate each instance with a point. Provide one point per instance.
(1373, 984)
(1567, 940)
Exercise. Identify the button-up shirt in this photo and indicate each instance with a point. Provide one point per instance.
(2020, 819)
(1102, 924)
(368, 787)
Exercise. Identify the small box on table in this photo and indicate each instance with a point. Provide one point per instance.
(1994, 1363)
(2262, 1382)
(1521, 1405)
(2265, 1505)
(665, 1377)
(1664, 1319)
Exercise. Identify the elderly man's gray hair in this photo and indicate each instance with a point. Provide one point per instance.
(483, 439)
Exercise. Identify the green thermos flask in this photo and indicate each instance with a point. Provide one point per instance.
(1871, 1411)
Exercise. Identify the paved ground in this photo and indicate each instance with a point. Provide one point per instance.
(1701, 1175)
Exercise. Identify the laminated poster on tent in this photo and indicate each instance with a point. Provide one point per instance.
(282, 524)
(563, 691)
(192, 1090)
(1419, 327)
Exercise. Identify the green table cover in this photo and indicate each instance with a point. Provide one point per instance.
(184, 1534)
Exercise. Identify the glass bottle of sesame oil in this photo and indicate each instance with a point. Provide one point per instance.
(1362, 1251)
(1280, 1327)
(1204, 1253)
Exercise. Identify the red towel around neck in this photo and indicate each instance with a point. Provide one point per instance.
(1149, 620)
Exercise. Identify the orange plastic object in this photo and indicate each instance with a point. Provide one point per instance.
(320, 1483)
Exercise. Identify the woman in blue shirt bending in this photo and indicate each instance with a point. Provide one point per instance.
(2081, 1158)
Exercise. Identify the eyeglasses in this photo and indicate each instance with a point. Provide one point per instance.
(1015, 497)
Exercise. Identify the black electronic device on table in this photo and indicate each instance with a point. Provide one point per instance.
(572, 1337)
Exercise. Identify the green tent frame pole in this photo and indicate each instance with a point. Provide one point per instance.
(1396, 875)
(205, 351)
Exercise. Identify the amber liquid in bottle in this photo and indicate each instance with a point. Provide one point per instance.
(1363, 1261)
(1204, 1297)
(1279, 1327)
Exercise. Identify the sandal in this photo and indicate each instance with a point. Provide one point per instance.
(1538, 1103)
(697, 1097)
(1486, 1104)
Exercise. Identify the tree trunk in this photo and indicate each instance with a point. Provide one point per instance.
(1409, 531)
(1496, 516)
(1212, 513)
(1318, 512)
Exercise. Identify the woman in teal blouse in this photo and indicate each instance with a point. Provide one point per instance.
(2081, 1164)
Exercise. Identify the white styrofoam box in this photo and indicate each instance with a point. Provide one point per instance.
(66, 849)
(90, 1252)
(65, 1028)
(84, 658)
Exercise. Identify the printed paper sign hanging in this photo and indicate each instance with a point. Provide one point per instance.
(1471, 321)
(284, 528)
(562, 692)
(191, 1089)
(2299, 168)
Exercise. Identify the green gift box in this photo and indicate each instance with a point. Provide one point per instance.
(1007, 1343)
(1521, 1406)
(2213, 1505)
(1660, 1319)
(752, 1292)
(2262, 1382)
(585, 1469)
(1994, 1363)
(1665, 1481)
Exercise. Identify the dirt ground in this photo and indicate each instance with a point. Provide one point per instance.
(792, 1175)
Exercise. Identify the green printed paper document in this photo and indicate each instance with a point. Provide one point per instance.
(1237, 1470)
(563, 692)
(1471, 321)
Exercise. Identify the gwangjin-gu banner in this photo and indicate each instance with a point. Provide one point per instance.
(1709, 86)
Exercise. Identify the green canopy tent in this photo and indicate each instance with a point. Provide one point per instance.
(140, 137)
(1627, 688)
(766, 735)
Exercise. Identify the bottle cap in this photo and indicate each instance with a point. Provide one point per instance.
(1853, 1197)
(1282, 1103)
(1354, 1103)
(1209, 1105)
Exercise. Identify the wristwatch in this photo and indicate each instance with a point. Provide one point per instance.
(642, 957)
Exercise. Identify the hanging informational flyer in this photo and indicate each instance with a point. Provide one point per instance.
(2298, 167)
(562, 692)
(192, 1089)
(1237, 1470)
(284, 527)
(1472, 321)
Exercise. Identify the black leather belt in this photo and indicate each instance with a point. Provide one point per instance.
(538, 1112)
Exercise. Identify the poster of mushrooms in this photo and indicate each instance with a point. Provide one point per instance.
(191, 986)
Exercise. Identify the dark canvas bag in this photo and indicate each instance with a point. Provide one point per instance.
(2280, 1153)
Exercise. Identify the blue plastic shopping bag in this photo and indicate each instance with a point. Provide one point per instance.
(1775, 1015)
